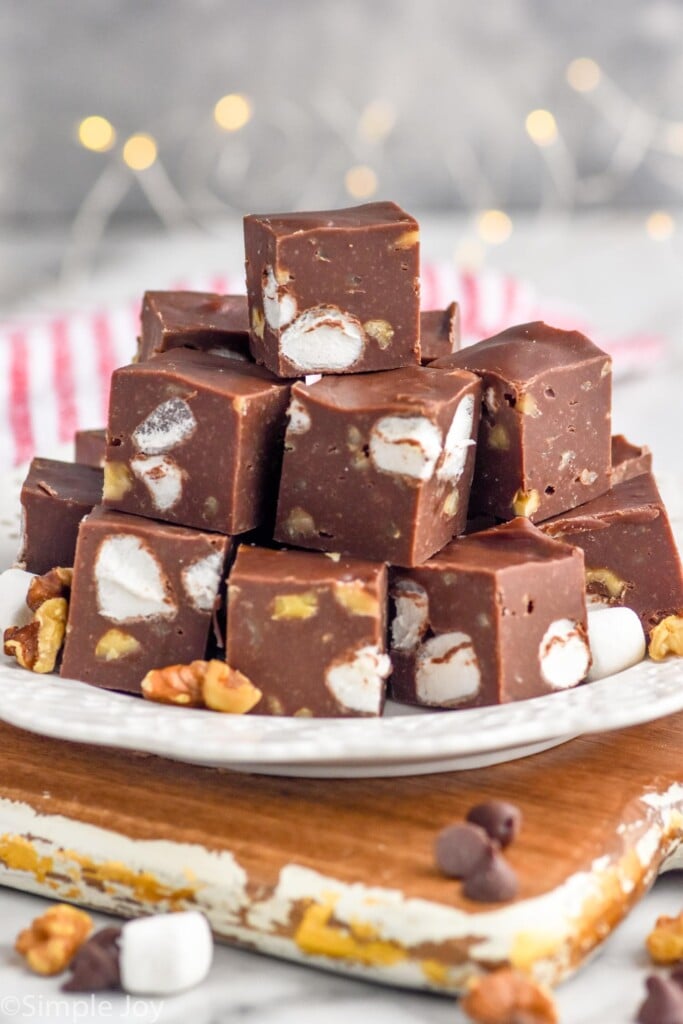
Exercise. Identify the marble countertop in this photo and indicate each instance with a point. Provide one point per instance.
(617, 277)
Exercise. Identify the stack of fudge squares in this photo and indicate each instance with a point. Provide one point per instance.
(317, 484)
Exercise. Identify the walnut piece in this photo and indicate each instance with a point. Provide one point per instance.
(665, 941)
(176, 684)
(666, 638)
(115, 644)
(227, 690)
(525, 503)
(55, 583)
(36, 645)
(52, 940)
(509, 997)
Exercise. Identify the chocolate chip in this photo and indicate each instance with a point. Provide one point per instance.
(492, 881)
(663, 1003)
(459, 849)
(501, 820)
(96, 965)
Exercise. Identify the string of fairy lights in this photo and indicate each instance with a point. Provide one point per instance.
(639, 134)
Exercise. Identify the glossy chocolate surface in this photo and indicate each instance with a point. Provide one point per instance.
(201, 320)
(628, 460)
(379, 465)
(439, 332)
(335, 291)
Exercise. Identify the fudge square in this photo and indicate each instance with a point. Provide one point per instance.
(379, 465)
(143, 597)
(630, 552)
(54, 498)
(202, 320)
(496, 616)
(195, 439)
(544, 438)
(90, 447)
(309, 631)
(334, 292)
(439, 332)
(628, 460)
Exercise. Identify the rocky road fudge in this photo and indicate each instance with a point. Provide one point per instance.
(630, 551)
(544, 439)
(335, 291)
(195, 439)
(439, 332)
(628, 460)
(379, 465)
(54, 498)
(496, 616)
(90, 447)
(309, 630)
(143, 596)
(201, 320)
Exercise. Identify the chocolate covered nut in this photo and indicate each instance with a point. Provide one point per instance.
(195, 439)
(499, 819)
(630, 552)
(439, 332)
(308, 631)
(200, 320)
(335, 291)
(544, 439)
(95, 967)
(459, 849)
(663, 1003)
(492, 880)
(495, 616)
(628, 460)
(379, 465)
(90, 446)
(143, 594)
(54, 498)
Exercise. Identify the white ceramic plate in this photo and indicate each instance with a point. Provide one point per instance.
(406, 741)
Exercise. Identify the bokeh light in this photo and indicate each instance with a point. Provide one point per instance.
(232, 112)
(96, 133)
(139, 151)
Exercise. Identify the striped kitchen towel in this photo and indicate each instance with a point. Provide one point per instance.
(55, 370)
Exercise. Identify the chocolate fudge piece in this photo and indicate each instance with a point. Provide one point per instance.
(335, 291)
(379, 465)
(143, 596)
(544, 438)
(90, 446)
(628, 460)
(201, 320)
(439, 332)
(497, 616)
(54, 498)
(309, 631)
(630, 551)
(195, 439)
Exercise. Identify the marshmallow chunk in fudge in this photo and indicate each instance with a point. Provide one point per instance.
(496, 616)
(195, 439)
(143, 597)
(544, 440)
(335, 291)
(309, 631)
(379, 465)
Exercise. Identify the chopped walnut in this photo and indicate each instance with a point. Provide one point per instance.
(55, 583)
(227, 690)
(509, 997)
(666, 638)
(51, 941)
(665, 941)
(176, 684)
(37, 645)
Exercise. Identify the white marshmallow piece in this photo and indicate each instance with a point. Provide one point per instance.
(447, 670)
(358, 684)
(162, 478)
(201, 581)
(616, 641)
(130, 582)
(14, 611)
(563, 654)
(165, 428)
(409, 625)
(458, 440)
(299, 420)
(405, 445)
(279, 306)
(165, 954)
(323, 339)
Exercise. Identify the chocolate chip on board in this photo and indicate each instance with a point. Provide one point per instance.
(492, 881)
(96, 965)
(460, 849)
(501, 820)
(663, 1003)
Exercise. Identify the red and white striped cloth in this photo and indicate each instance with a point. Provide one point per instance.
(55, 370)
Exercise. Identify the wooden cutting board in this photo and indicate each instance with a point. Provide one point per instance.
(340, 873)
